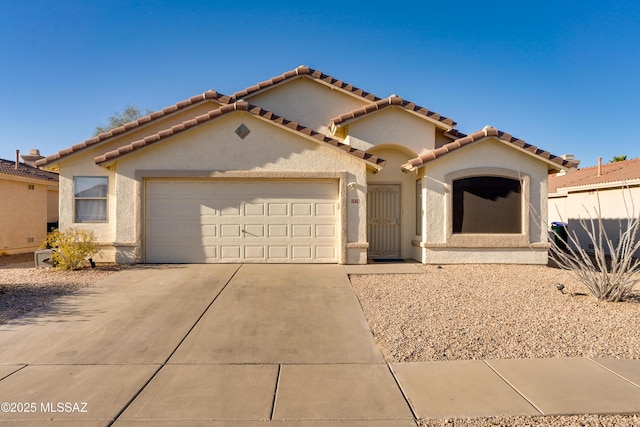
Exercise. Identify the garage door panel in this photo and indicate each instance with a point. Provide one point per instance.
(325, 230)
(278, 209)
(301, 252)
(209, 230)
(231, 253)
(254, 252)
(254, 209)
(325, 209)
(325, 252)
(278, 230)
(241, 221)
(298, 230)
(253, 230)
(230, 211)
(230, 230)
(301, 209)
(278, 252)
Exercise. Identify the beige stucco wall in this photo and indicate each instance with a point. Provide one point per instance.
(392, 125)
(486, 157)
(557, 208)
(83, 165)
(613, 205)
(214, 147)
(24, 215)
(53, 196)
(307, 102)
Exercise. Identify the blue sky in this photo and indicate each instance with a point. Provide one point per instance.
(562, 75)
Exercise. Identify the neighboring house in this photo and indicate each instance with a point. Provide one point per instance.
(611, 191)
(306, 168)
(28, 206)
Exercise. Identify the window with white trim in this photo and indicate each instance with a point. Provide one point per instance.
(90, 198)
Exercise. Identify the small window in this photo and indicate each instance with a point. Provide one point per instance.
(32, 187)
(487, 204)
(90, 198)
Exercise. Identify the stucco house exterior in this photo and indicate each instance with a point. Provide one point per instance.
(304, 167)
(612, 190)
(28, 203)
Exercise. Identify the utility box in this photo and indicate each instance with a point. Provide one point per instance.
(44, 258)
(560, 234)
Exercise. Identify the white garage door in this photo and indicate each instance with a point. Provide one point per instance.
(200, 221)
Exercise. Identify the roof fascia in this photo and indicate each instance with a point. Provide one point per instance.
(243, 107)
(610, 185)
(333, 127)
(28, 180)
(552, 167)
(51, 162)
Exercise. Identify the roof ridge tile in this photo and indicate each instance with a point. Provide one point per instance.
(304, 70)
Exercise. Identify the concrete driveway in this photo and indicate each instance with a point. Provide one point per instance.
(257, 345)
(200, 344)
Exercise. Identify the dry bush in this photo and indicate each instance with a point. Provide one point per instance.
(609, 277)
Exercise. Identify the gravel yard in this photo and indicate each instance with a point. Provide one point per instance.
(467, 312)
(24, 288)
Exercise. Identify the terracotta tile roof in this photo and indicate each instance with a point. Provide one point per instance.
(613, 173)
(8, 167)
(487, 132)
(303, 70)
(389, 102)
(229, 108)
(209, 95)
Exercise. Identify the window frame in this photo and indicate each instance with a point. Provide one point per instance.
(489, 240)
(104, 199)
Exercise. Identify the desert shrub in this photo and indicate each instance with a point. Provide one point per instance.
(611, 277)
(72, 247)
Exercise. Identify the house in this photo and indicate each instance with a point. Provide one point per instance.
(29, 204)
(304, 167)
(611, 191)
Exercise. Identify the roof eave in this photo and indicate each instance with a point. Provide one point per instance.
(53, 160)
(333, 127)
(373, 163)
(601, 185)
(554, 163)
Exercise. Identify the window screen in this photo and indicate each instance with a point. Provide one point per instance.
(90, 198)
(487, 204)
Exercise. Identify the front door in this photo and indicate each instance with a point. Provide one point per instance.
(383, 221)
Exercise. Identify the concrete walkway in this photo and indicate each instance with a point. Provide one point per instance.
(254, 345)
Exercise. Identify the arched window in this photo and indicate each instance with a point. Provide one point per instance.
(487, 204)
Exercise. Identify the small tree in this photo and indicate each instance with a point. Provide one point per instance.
(609, 278)
(72, 247)
(129, 114)
(618, 159)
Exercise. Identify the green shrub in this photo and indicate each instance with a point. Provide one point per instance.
(72, 247)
